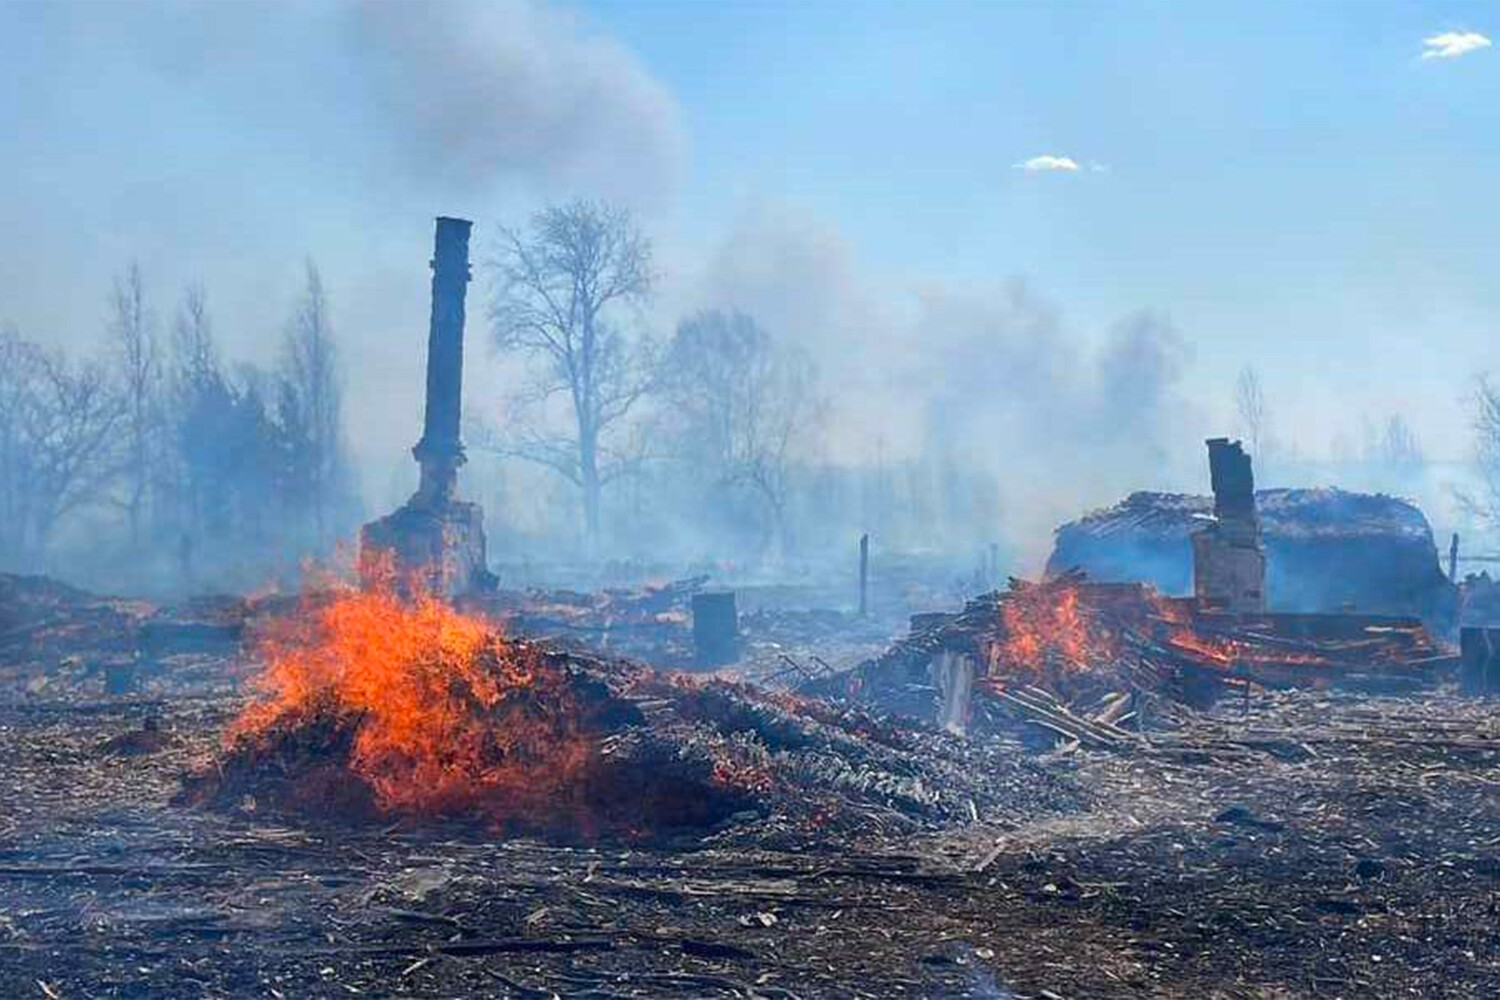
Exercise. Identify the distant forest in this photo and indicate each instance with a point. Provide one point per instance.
(161, 463)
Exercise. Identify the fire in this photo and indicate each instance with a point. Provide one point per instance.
(1182, 633)
(1043, 628)
(1214, 652)
(446, 712)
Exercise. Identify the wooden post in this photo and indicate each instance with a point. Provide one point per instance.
(1479, 670)
(864, 574)
(120, 678)
(716, 629)
(953, 674)
(1453, 559)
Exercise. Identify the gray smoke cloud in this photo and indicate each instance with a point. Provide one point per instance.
(988, 377)
(1139, 371)
(471, 90)
(226, 144)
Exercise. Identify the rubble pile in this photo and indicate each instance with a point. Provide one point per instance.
(44, 622)
(1083, 658)
(57, 640)
(655, 623)
(650, 621)
(374, 708)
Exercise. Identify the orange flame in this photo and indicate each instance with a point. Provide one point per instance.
(1044, 629)
(446, 711)
(1181, 632)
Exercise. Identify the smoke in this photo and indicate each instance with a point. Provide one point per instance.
(798, 274)
(1139, 370)
(988, 379)
(224, 145)
(475, 90)
(969, 383)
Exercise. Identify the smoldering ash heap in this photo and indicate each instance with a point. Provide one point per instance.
(435, 534)
(1229, 560)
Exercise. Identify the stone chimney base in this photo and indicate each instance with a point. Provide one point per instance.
(442, 544)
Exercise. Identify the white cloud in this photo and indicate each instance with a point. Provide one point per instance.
(1452, 44)
(1048, 164)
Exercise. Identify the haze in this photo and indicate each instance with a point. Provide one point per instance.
(1041, 240)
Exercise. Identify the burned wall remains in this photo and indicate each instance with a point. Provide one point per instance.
(1326, 550)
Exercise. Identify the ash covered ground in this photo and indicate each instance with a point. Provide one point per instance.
(1299, 844)
(1358, 859)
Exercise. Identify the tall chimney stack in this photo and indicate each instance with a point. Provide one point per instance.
(440, 451)
(435, 535)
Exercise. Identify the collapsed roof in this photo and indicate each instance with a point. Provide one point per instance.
(1328, 549)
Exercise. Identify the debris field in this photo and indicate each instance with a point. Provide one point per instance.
(1315, 840)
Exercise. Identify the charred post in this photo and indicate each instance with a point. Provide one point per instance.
(1479, 671)
(864, 574)
(716, 629)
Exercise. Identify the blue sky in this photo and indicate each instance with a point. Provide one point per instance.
(1292, 184)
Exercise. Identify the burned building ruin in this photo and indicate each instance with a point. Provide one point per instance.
(435, 535)
(1326, 550)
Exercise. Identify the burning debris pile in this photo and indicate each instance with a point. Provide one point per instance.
(375, 707)
(1037, 648)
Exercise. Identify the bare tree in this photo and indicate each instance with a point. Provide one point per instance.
(133, 330)
(200, 395)
(189, 367)
(310, 404)
(744, 403)
(192, 335)
(1486, 504)
(1254, 417)
(58, 442)
(561, 288)
(1399, 451)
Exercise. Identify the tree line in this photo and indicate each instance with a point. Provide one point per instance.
(717, 417)
(158, 455)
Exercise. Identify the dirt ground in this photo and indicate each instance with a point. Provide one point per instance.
(1318, 846)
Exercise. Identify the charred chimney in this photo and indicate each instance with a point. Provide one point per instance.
(1229, 560)
(436, 535)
